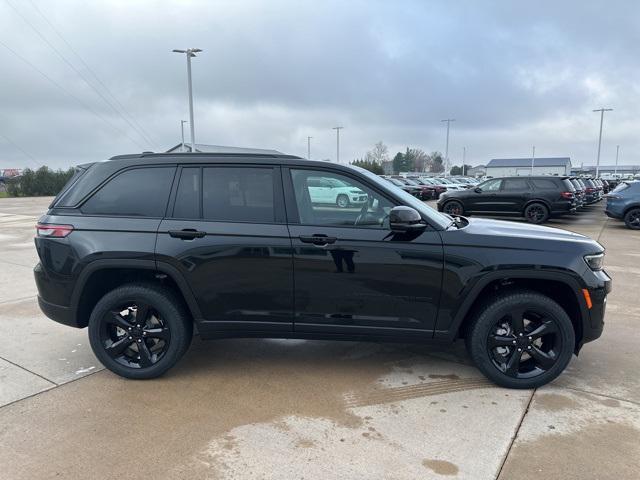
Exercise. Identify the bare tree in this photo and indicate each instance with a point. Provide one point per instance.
(379, 154)
(422, 161)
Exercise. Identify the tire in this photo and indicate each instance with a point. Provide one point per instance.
(535, 359)
(453, 207)
(632, 219)
(536, 213)
(342, 201)
(164, 333)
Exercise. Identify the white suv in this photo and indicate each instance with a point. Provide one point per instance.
(333, 191)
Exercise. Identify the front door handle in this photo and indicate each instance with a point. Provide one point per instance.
(317, 239)
(186, 234)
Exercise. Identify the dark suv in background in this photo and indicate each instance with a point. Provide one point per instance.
(624, 203)
(534, 198)
(142, 248)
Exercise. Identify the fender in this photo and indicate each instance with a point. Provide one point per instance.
(537, 200)
(471, 294)
(160, 267)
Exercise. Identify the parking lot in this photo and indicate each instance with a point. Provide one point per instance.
(311, 409)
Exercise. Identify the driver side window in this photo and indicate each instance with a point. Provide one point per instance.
(332, 199)
(491, 185)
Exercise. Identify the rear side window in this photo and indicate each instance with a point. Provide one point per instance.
(515, 184)
(141, 192)
(187, 203)
(238, 194)
(544, 184)
(568, 185)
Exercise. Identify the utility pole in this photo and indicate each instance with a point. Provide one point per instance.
(190, 52)
(337, 129)
(446, 152)
(601, 110)
(615, 171)
(533, 159)
(182, 122)
(464, 157)
(309, 148)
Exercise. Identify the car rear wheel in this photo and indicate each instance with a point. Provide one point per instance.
(632, 219)
(453, 207)
(536, 213)
(342, 201)
(521, 339)
(139, 331)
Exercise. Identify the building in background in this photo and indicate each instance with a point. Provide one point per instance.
(202, 148)
(477, 171)
(608, 171)
(510, 167)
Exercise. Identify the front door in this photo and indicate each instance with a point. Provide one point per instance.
(487, 198)
(226, 234)
(352, 275)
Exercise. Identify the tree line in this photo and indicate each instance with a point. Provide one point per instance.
(411, 160)
(37, 183)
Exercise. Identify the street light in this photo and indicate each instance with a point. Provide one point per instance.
(615, 172)
(337, 129)
(309, 148)
(446, 152)
(190, 52)
(601, 110)
(533, 159)
(182, 122)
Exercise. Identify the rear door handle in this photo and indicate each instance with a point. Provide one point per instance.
(186, 234)
(317, 239)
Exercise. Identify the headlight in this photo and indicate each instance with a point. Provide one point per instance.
(595, 261)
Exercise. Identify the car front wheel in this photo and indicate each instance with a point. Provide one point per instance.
(536, 213)
(453, 208)
(521, 339)
(342, 201)
(139, 331)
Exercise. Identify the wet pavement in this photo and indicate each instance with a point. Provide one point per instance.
(283, 409)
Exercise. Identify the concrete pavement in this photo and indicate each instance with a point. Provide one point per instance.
(310, 409)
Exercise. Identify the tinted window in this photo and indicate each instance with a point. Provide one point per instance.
(188, 195)
(351, 205)
(568, 185)
(544, 184)
(515, 184)
(139, 192)
(491, 185)
(236, 194)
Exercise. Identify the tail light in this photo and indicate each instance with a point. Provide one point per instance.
(53, 231)
(590, 189)
(568, 195)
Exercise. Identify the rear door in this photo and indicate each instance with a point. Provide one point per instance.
(225, 232)
(513, 195)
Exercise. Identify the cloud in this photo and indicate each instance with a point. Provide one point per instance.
(273, 73)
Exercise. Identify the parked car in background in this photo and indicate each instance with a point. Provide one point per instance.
(438, 187)
(592, 192)
(410, 189)
(580, 194)
(330, 191)
(451, 186)
(534, 198)
(624, 203)
(425, 192)
(143, 249)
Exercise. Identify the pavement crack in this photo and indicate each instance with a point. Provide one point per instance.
(30, 371)
(515, 434)
(620, 399)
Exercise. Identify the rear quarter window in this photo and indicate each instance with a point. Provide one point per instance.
(139, 192)
(544, 184)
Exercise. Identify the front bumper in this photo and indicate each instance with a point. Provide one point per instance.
(592, 329)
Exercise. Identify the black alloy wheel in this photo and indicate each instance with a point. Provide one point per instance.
(453, 208)
(632, 219)
(140, 330)
(536, 213)
(521, 339)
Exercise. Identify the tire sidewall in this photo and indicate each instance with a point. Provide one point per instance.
(478, 334)
(342, 196)
(166, 304)
(537, 204)
(451, 202)
(627, 219)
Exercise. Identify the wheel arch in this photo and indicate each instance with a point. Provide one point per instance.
(629, 208)
(560, 287)
(101, 276)
(546, 203)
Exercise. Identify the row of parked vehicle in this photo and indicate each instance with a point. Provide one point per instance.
(430, 188)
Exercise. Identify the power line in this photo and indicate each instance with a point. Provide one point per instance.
(148, 137)
(78, 72)
(66, 92)
(18, 147)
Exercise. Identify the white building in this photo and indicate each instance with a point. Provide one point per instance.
(511, 167)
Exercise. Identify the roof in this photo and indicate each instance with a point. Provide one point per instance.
(526, 162)
(203, 148)
(620, 168)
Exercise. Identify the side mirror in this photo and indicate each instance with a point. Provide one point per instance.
(477, 190)
(405, 219)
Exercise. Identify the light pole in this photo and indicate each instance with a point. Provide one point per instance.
(464, 157)
(446, 152)
(337, 129)
(533, 158)
(615, 171)
(182, 122)
(309, 148)
(190, 52)
(601, 110)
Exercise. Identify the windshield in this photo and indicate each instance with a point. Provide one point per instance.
(394, 181)
(410, 182)
(436, 218)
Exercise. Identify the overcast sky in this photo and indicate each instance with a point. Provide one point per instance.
(513, 74)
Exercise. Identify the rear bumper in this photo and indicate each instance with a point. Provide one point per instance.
(51, 305)
(58, 313)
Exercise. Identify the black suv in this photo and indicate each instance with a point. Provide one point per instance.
(144, 248)
(534, 198)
